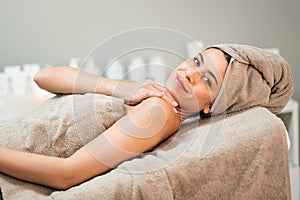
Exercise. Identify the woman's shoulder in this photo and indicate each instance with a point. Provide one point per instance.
(153, 118)
(160, 108)
(150, 103)
(153, 101)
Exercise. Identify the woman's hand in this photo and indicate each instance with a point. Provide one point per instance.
(134, 92)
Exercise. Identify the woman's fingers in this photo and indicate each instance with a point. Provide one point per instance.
(167, 95)
(161, 92)
(138, 96)
(134, 92)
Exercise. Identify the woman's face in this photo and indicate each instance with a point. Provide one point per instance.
(196, 82)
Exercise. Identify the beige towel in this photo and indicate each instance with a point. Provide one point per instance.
(256, 77)
(57, 128)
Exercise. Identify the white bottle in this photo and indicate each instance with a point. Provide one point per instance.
(12, 69)
(90, 66)
(31, 70)
(137, 69)
(11, 72)
(18, 81)
(4, 83)
(75, 62)
(158, 71)
(115, 70)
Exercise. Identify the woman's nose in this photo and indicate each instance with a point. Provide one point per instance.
(190, 72)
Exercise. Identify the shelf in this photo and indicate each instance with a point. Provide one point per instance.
(290, 117)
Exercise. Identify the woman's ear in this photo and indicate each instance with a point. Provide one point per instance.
(206, 110)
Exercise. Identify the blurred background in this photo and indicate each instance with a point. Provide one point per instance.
(52, 32)
(36, 33)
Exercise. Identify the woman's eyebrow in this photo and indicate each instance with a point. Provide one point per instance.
(214, 77)
(201, 57)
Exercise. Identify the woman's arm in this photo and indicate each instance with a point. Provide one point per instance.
(50, 171)
(67, 80)
(150, 122)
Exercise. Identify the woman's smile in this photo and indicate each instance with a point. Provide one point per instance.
(180, 83)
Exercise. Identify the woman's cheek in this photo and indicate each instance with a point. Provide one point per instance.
(190, 105)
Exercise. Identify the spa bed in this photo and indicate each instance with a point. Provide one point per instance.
(240, 156)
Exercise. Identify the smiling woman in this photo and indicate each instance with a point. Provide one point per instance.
(196, 82)
(210, 82)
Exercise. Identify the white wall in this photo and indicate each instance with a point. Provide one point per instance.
(52, 31)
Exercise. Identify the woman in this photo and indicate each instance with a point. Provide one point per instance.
(196, 85)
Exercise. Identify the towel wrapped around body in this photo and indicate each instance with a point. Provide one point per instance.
(59, 127)
(62, 125)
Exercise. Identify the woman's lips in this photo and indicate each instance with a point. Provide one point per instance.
(180, 83)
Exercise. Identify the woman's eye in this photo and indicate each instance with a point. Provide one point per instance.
(206, 80)
(196, 61)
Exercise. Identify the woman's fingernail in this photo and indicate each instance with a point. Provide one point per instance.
(175, 110)
(175, 103)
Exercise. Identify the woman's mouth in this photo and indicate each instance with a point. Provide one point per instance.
(180, 83)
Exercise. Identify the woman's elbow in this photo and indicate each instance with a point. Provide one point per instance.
(38, 77)
(66, 179)
(72, 173)
(42, 77)
(64, 184)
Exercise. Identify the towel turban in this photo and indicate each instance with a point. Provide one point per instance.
(255, 77)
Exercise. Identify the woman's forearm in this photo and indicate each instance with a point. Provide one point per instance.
(59, 173)
(67, 80)
(33, 167)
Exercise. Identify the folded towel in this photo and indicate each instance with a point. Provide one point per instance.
(255, 77)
